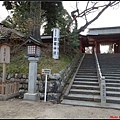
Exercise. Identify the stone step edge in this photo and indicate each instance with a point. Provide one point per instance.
(90, 104)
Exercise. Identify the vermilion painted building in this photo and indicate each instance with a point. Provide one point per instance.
(96, 37)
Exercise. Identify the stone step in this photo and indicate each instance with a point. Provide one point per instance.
(95, 74)
(88, 61)
(87, 70)
(109, 65)
(86, 83)
(112, 84)
(90, 104)
(110, 99)
(94, 92)
(86, 76)
(87, 87)
(83, 91)
(112, 80)
(96, 80)
(112, 77)
(93, 65)
(88, 66)
(111, 74)
(91, 87)
(109, 61)
(86, 79)
(110, 69)
(81, 103)
(113, 89)
(112, 62)
(88, 97)
(113, 94)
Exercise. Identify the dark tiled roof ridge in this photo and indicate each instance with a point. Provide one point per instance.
(101, 28)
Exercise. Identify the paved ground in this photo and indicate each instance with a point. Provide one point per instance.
(19, 108)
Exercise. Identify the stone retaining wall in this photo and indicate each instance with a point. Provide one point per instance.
(56, 82)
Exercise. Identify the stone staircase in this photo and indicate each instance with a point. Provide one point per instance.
(84, 87)
(110, 67)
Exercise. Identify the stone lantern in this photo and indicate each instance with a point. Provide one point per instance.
(33, 54)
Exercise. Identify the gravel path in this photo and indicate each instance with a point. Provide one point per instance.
(20, 109)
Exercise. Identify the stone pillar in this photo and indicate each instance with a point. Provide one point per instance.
(32, 95)
(103, 91)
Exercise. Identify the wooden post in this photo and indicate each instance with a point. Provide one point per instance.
(2, 89)
(17, 87)
(6, 89)
(4, 72)
(15, 90)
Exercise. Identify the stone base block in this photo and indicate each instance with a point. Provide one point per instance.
(32, 96)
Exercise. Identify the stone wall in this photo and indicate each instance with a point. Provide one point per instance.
(55, 85)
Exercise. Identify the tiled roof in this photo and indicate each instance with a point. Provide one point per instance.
(104, 31)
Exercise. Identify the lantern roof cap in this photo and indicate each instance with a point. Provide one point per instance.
(35, 41)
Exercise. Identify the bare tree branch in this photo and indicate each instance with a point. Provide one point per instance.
(94, 7)
(85, 13)
(97, 16)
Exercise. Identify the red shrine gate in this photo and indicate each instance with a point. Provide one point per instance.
(98, 37)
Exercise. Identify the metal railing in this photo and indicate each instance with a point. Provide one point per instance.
(101, 80)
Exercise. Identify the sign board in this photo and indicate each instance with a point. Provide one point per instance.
(56, 36)
(46, 71)
(4, 53)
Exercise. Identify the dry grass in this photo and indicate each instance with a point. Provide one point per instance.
(20, 64)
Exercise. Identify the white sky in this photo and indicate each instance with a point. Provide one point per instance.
(3, 11)
(109, 18)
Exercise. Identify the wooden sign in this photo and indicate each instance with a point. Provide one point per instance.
(5, 53)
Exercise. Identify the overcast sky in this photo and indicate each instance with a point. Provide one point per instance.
(109, 18)
(3, 12)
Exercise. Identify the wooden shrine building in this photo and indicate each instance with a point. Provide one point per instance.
(101, 36)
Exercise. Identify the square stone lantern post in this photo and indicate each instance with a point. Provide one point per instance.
(33, 53)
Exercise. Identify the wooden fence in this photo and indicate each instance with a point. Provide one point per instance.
(9, 89)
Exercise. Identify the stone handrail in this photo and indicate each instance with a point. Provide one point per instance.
(69, 70)
(72, 79)
(101, 80)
